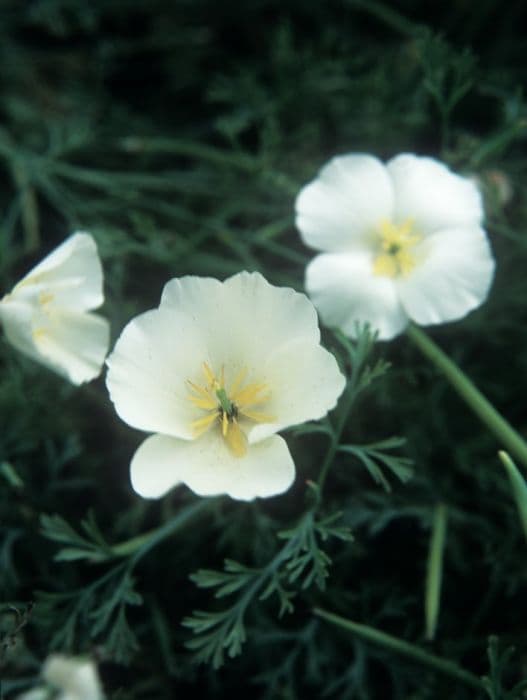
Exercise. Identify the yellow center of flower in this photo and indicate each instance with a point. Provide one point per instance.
(226, 407)
(396, 256)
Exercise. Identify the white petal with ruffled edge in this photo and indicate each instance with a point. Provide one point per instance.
(70, 277)
(453, 276)
(340, 209)
(208, 468)
(73, 345)
(77, 678)
(307, 384)
(244, 318)
(45, 316)
(346, 293)
(155, 355)
(432, 196)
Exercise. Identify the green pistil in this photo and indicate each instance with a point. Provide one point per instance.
(225, 403)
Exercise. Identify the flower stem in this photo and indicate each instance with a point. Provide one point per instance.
(141, 544)
(345, 406)
(519, 487)
(223, 158)
(434, 572)
(26, 192)
(485, 411)
(399, 646)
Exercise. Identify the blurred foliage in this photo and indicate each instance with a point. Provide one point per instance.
(178, 133)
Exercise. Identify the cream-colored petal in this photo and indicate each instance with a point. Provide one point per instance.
(432, 196)
(346, 292)
(453, 275)
(72, 344)
(245, 318)
(154, 357)
(39, 693)
(305, 383)
(70, 277)
(77, 678)
(340, 208)
(208, 468)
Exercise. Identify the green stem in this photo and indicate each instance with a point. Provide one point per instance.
(399, 646)
(485, 411)
(239, 161)
(28, 205)
(519, 487)
(28, 199)
(138, 145)
(140, 545)
(345, 406)
(434, 573)
(388, 16)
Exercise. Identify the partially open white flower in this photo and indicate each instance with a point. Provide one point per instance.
(403, 242)
(74, 678)
(215, 372)
(46, 315)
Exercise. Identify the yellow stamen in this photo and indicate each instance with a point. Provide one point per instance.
(258, 416)
(208, 404)
(238, 379)
(225, 408)
(249, 395)
(45, 298)
(209, 374)
(199, 389)
(201, 425)
(236, 440)
(396, 257)
(39, 334)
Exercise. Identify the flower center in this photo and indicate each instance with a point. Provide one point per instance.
(396, 257)
(226, 406)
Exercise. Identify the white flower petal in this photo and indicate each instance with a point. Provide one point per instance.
(340, 208)
(208, 468)
(305, 383)
(77, 678)
(346, 292)
(453, 276)
(430, 194)
(155, 355)
(45, 316)
(38, 693)
(70, 277)
(244, 318)
(72, 344)
(75, 345)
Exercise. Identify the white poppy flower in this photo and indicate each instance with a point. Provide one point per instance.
(402, 241)
(46, 316)
(73, 678)
(215, 372)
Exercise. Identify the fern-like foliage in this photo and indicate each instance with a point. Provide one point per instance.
(297, 565)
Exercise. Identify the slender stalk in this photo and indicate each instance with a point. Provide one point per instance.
(239, 161)
(28, 205)
(518, 486)
(345, 406)
(434, 573)
(399, 646)
(198, 151)
(489, 416)
(28, 199)
(140, 545)
(388, 16)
